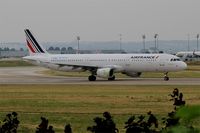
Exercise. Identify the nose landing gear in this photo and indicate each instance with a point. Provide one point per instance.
(166, 78)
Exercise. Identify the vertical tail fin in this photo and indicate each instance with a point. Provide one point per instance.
(32, 44)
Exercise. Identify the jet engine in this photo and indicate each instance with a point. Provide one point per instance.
(105, 72)
(133, 74)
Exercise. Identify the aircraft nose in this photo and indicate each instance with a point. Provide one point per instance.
(183, 65)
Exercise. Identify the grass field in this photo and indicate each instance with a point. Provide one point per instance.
(79, 104)
(14, 63)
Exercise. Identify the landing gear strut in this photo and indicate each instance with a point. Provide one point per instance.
(166, 78)
(92, 78)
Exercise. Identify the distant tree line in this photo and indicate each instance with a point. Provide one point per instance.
(50, 49)
(10, 49)
(60, 49)
(174, 122)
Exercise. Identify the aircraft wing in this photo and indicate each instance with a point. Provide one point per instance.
(116, 68)
(84, 67)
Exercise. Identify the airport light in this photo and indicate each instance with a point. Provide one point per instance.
(197, 42)
(156, 40)
(143, 37)
(120, 42)
(188, 35)
(0, 51)
(78, 39)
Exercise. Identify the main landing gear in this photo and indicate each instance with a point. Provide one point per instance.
(112, 78)
(166, 78)
(92, 78)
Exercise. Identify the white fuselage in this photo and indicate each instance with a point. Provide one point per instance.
(119, 62)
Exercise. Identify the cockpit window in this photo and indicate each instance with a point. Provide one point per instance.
(175, 59)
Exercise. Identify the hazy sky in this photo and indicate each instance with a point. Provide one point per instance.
(99, 20)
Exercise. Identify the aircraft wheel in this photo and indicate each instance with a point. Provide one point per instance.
(112, 78)
(92, 78)
(166, 78)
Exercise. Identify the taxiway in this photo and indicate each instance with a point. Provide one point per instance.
(33, 75)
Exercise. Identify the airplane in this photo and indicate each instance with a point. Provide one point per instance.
(189, 55)
(102, 65)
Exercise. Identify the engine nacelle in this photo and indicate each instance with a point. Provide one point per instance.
(105, 72)
(133, 74)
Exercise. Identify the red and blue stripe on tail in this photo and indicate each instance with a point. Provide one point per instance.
(32, 44)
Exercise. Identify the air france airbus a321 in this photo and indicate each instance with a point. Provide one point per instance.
(103, 65)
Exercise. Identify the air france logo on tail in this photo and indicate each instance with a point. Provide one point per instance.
(32, 44)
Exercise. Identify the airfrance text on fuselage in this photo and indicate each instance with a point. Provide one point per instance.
(144, 57)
